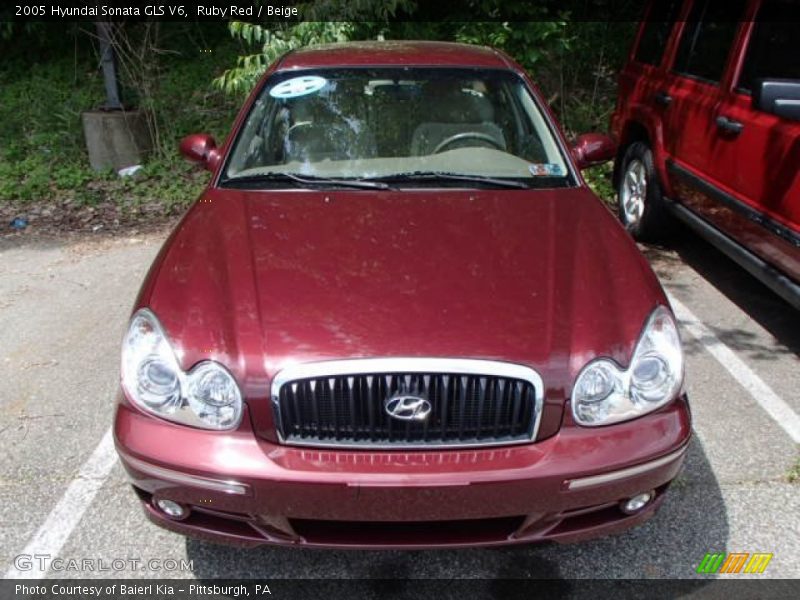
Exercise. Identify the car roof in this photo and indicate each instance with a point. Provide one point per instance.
(390, 53)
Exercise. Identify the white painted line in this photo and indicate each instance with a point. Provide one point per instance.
(774, 405)
(66, 515)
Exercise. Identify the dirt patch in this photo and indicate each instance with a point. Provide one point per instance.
(70, 222)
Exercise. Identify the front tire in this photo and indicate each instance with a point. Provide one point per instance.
(641, 204)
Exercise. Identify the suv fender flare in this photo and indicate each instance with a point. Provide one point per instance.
(642, 119)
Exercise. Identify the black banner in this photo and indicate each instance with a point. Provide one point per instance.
(288, 11)
(363, 589)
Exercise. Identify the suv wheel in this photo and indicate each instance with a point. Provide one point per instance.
(641, 206)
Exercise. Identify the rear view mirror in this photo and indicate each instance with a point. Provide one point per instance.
(780, 97)
(593, 149)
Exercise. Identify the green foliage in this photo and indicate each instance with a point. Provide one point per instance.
(529, 42)
(26, 179)
(42, 143)
(354, 19)
(47, 82)
(273, 43)
(29, 29)
(599, 179)
(573, 62)
(42, 149)
(184, 101)
(582, 82)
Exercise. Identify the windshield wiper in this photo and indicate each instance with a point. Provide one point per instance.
(436, 175)
(310, 180)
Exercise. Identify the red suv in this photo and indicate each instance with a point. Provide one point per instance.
(708, 125)
(398, 316)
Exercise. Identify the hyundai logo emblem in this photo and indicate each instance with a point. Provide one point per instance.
(407, 407)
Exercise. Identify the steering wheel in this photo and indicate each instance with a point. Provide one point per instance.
(474, 135)
(296, 125)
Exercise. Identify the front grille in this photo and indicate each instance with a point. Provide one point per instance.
(470, 402)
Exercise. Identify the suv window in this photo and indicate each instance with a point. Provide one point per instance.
(772, 53)
(707, 38)
(656, 31)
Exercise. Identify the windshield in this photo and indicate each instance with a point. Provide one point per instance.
(397, 124)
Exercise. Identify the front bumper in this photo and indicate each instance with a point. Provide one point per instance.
(245, 490)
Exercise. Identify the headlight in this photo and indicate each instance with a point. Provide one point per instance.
(214, 396)
(604, 393)
(207, 396)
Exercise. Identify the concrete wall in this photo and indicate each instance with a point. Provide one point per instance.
(116, 139)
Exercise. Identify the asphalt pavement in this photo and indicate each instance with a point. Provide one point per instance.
(63, 310)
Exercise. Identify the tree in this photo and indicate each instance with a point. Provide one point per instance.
(326, 21)
(572, 60)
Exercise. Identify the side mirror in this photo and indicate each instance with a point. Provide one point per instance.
(780, 97)
(593, 149)
(201, 148)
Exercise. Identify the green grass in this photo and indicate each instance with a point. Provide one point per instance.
(793, 474)
(42, 151)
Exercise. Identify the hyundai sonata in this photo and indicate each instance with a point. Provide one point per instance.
(398, 317)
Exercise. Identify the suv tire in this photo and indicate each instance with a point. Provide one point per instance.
(641, 204)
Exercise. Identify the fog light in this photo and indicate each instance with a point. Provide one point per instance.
(171, 509)
(637, 503)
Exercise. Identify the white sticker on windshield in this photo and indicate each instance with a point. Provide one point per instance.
(545, 170)
(298, 86)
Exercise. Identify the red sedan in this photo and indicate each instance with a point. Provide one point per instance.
(398, 317)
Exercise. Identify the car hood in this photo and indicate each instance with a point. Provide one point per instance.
(259, 280)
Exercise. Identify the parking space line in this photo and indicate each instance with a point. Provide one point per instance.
(774, 405)
(54, 532)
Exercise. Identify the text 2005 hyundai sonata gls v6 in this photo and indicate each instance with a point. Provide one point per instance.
(398, 317)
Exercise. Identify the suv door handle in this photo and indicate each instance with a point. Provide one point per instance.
(729, 125)
(663, 98)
